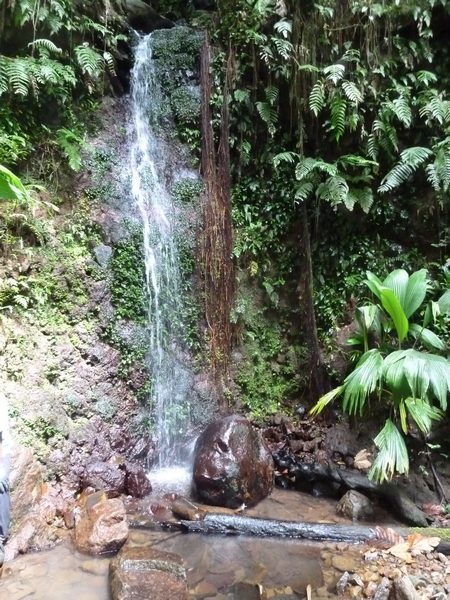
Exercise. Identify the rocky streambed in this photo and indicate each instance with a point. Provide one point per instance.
(177, 565)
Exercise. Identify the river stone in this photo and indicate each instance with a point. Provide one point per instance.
(404, 589)
(104, 476)
(136, 481)
(355, 506)
(144, 572)
(100, 524)
(232, 464)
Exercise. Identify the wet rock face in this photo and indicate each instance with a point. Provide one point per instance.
(136, 481)
(100, 524)
(143, 572)
(355, 506)
(232, 464)
(104, 476)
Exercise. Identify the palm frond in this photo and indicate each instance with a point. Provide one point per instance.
(362, 382)
(392, 456)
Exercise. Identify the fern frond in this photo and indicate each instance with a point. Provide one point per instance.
(303, 191)
(284, 48)
(410, 160)
(4, 79)
(287, 157)
(337, 122)
(268, 114)
(317, 98)
(361, 196)
(19, 76)
(334, 190)
(334, 73)
(352, 92)
(402, 109)
(47, 44)
(89, 60)
(283, 27)
(271, 94)
(307, 165)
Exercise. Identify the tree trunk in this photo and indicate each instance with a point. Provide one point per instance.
(317, 376)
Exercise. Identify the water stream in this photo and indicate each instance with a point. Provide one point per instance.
(152, 177)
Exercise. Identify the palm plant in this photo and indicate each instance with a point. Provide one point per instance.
(412, 382)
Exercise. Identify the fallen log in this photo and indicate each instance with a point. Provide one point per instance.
(226, 524)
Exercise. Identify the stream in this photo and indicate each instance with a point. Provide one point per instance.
(221, 568)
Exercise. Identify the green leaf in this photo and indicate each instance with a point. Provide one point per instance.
(423, 413)
(444, 302)
(394, 309)
(374, 284)
(392, 456)
(325, 400)
(415, 292)
(362, 382)
(427, 337)
(397, 281)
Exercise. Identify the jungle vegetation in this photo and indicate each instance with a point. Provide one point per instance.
(331, 137)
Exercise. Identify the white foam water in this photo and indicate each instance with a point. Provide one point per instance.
(151, 168)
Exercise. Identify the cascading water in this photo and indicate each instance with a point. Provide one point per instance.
(152, 177)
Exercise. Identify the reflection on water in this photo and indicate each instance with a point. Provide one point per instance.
(215, 565)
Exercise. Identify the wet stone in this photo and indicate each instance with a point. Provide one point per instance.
(355, 506)
(136, 570)
(232, 464)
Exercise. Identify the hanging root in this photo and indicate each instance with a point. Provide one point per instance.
(216, 239)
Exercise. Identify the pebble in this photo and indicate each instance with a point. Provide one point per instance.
(344, 563)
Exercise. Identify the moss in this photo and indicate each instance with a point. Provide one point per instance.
(267, 376)
(127, 283)
(187, 190)
(177, 47)
(185, 105)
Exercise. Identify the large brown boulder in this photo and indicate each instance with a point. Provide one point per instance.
(144, 572)
(232, 464)
(100, 524)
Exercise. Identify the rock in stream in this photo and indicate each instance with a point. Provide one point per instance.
(232, 464)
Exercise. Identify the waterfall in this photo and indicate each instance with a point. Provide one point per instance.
(152, 174)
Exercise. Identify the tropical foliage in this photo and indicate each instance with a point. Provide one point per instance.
(411, 383)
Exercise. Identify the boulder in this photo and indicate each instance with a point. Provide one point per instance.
(136, 481)
(232, 464)
(355, 506)
(100, 524)
(144, 572)
(106, 477)
(142, 17)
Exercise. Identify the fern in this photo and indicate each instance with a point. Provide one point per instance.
(307, 165)
(286, 157)
(337, 122)
(283, 27)
(284, 48)
(334, 73)
(70, 144)
(352, 92)
(89, 60)
(361, 196)
(334, 190)
(317, 98)
(46, 44)
(410, 160)
(304, 190)
(268, 114)
(402, 109)
(19, 76)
